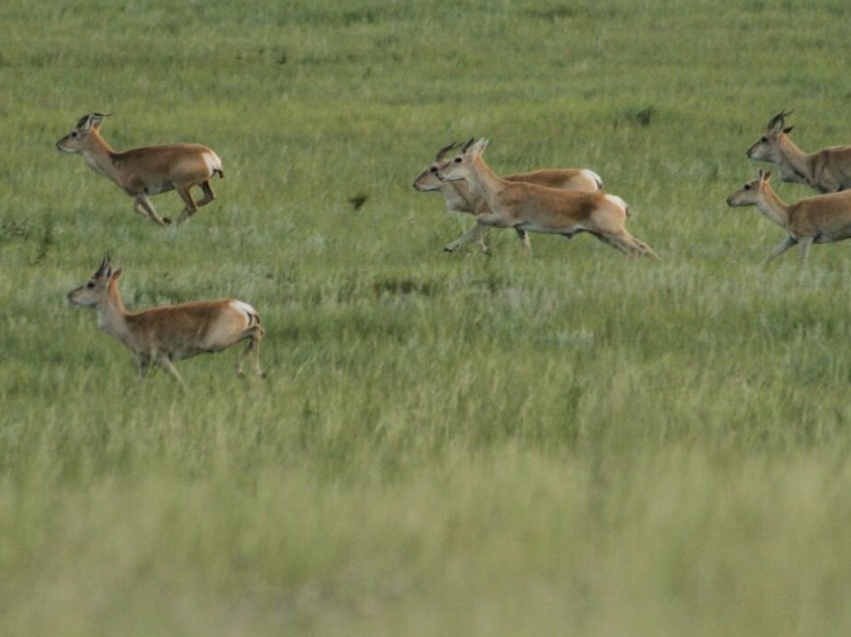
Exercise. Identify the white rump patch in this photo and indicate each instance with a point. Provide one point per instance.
(590, 174)
(617, 201)
(214, 164)
(245, 308)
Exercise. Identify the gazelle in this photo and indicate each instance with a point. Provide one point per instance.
(146, 171)
(535, 208)
(460, 199)
(819, 219)
(166, 334)
(827, 170)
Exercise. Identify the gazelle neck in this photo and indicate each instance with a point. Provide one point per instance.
(795, 165)
(98, 156)
(773, 207)
(484, 182)
(112, 317)
(458, 196)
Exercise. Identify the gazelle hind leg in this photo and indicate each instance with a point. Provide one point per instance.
(616, 242)
(627, 244)
(209, 195)
(255, 335)
(190, 206)
(645, 249)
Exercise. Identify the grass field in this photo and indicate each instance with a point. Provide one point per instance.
(562, 443)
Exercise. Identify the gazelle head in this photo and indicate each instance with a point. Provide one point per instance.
(428, 179)
(92, 293)
(767, 147)
(75, 141)
(461, 165)
(750, 193)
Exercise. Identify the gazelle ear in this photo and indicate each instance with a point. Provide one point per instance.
(116, 275)
(84, 124)
(96, 119)
(776, 124)
(479, 146)
(91, 121)
(788, 130)
(765, 177)
(105, 269)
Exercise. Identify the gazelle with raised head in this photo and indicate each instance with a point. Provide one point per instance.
(535, 208)
(459, 197)
(819, 219)
(163, 335)
(827, 170)
(146, 171)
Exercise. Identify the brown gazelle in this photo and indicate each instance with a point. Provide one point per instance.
(536, 208)
(819, 219)
(460, 199)
(146, 171)
(163, 335)
(827, 170)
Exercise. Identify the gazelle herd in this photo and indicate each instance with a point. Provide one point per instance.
(565, 202)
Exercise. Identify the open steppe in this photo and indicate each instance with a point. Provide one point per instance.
(564, 443)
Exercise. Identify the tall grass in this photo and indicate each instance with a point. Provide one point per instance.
(567, 442)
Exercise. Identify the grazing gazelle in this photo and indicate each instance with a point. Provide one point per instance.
(149, 170)
(827, 170)
(819, 219)
(163, 335)
(535, 208)
(460, 199)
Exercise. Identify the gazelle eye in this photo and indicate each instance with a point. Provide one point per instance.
(434, 169)
(747, 186)
(458, 160)
(765, 139)
(90, 284)
(74, 134)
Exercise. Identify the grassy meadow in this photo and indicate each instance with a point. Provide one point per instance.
(563, 443)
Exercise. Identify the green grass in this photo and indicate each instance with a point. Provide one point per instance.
(563, 443)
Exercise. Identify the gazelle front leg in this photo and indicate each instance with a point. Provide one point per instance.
(788, 242)
(166, 365)
(524, 238)
(143, 206)
(479, 231)
(805, 247)
(464, 238)
(144, 365)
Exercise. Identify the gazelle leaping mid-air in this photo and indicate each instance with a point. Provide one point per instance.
(819, 219)
(163, 335)
(827, 170)
(535, 208)
(459, 197)
(150, 170)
